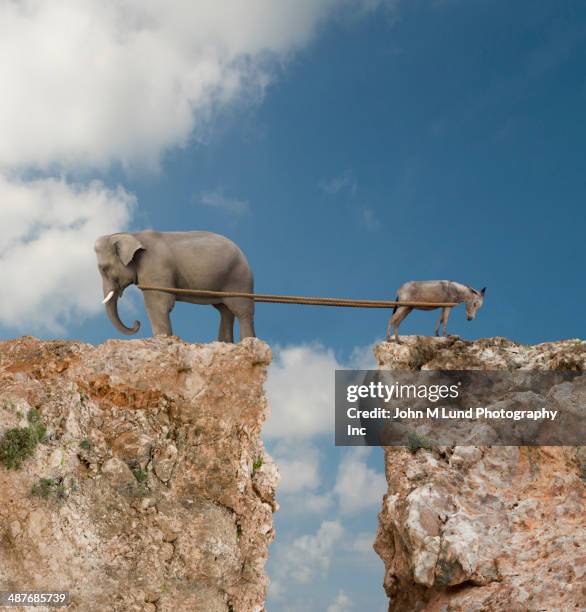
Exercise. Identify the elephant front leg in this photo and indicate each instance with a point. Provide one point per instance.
(159, 306)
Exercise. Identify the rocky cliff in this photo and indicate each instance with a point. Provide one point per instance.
(132, 473)
(484, 528)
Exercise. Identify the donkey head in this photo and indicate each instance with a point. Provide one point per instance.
(474, 302)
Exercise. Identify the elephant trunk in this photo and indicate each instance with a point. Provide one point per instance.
(112, 312)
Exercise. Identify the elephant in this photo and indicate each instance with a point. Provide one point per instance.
(184, 260)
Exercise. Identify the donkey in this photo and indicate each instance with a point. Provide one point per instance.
(434, 291)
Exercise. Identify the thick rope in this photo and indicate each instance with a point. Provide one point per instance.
(295, 299)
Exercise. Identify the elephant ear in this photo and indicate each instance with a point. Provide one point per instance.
(126, 247)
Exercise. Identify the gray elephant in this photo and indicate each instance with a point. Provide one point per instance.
(184, 260)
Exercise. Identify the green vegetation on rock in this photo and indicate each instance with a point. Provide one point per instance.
(19, 443)
(257, 464)
(45, 486)
(416, 441)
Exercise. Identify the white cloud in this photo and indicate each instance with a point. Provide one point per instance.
(90, 82)
(362, 357)
(312, 503)
(361, 543)
(309, 556)
(218, 200)
(343, 182)
(301, 384)
(46, 249)
(370, 220)
(298, 465)
(301, 392)
(87, 84)
(342, 603)
(358, 486)
(300, 471)
(300, 389)
(277, 589)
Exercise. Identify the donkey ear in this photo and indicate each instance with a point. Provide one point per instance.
(126, 247)
(482, 291)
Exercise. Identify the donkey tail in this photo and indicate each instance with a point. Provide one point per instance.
(395, 308)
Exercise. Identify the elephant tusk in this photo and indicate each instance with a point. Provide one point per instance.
(108, 297)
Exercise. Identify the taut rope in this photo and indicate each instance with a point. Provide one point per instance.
(296, 299)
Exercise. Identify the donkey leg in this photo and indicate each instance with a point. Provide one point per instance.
(445, 316)
(439, 321)
(390, 327)
(401, 313)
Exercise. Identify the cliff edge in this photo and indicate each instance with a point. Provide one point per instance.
(484, 528)
(133, 475)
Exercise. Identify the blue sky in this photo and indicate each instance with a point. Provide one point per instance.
(456, 134)
(347, 147)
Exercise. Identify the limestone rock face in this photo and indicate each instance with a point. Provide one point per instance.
(151, 489)
(484, 528)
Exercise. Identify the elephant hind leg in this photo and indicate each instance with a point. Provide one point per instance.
(226, 332)
(243, 309)
(246, 326)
